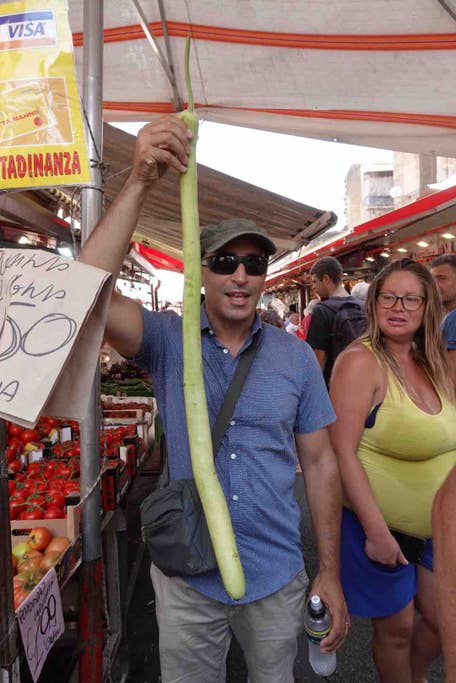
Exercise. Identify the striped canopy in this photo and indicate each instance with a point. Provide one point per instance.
(378, 72)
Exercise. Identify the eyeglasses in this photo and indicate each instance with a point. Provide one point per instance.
(227, 264)
(411, 302)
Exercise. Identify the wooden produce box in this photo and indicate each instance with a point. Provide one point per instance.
(115, 481)
(68, 527)
(69, 562)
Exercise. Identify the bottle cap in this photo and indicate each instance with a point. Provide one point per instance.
(316, 606)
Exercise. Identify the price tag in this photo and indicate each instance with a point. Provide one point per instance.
(41, 623)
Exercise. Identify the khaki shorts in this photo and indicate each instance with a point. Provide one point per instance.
(195, 632)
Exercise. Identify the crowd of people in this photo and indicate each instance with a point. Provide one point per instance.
(374, 452)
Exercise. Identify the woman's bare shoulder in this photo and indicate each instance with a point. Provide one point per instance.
(358, 354)
(359, 365)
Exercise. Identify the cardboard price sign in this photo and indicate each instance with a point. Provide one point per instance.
(52, 316)
(41, 623)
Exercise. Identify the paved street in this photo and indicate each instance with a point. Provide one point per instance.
(354, 662)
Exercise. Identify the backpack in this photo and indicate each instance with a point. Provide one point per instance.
(349, 323)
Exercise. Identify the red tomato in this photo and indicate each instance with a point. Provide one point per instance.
(29, 435)
(14, 466)
(34, 467)
(41, 486)
(28, 485)
(31, 512)
(11, 486)
(13, 510)
(23, 584)
(52, 421)
(36, 499)
(11, 452)
(14, 441)
(77, 449)
(49, 470)
(55, 499)
(39, 538)
(71, 487)
(14, 429)
(45, 428)
(18, 497)
(54, 512)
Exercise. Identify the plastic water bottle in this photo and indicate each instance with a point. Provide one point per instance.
(317, 624)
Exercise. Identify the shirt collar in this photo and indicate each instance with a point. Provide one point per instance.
(205, 324)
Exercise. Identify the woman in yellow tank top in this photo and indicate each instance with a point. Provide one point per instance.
(395, 438)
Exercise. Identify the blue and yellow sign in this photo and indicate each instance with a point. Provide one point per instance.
(41, 129)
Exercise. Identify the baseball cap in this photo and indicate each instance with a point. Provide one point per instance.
(214, 237)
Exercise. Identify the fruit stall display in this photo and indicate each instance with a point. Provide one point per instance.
(44, 471)
(125, 379)
(44, 490)
(34, 556)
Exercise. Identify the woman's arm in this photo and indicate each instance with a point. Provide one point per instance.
(444, 534)
(357, 383)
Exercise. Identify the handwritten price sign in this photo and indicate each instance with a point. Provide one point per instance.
(47, 304)
(40, 619)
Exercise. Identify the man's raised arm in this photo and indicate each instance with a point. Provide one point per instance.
(159, 145)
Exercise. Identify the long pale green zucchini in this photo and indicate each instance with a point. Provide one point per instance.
(199, 433)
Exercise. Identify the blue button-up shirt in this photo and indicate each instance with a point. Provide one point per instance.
(284, 393)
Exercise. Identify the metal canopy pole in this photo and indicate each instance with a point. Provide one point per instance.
(91, 588)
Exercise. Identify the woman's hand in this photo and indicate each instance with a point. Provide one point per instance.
(382, 547)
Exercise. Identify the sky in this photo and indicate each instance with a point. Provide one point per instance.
(308, 171)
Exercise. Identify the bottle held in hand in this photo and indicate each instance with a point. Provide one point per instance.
(317, 624)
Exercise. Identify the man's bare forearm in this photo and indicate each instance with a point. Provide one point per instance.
(324, 497)
(108, 244)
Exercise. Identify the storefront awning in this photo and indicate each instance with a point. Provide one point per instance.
(290, 223)
(432, 214)
(157, 259)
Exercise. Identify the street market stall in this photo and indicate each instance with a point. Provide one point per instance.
(421, 230)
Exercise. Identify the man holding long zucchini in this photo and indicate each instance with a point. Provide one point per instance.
(282, 410)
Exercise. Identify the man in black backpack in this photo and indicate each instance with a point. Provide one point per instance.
(337, 320)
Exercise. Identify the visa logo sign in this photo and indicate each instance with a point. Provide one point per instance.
(27, 30)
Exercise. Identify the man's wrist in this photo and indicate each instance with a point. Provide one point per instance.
(329, 569)
(137, 186)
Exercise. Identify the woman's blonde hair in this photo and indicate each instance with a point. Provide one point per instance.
(428, 344)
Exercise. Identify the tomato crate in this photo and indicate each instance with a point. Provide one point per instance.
(68, 527)
(124, 481)
(115, 481)
(68, 562)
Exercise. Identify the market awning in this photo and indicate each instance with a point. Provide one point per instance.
(378, 73)
(433, 214)
(157, 259)
(290, 223)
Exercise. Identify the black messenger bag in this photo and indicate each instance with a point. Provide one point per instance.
(174, 527)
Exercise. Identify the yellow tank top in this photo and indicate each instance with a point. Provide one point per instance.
(407, 455)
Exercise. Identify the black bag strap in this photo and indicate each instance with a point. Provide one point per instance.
(227, 409)
(232, 395)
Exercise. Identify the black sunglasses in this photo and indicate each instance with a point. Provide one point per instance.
(227, 264)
